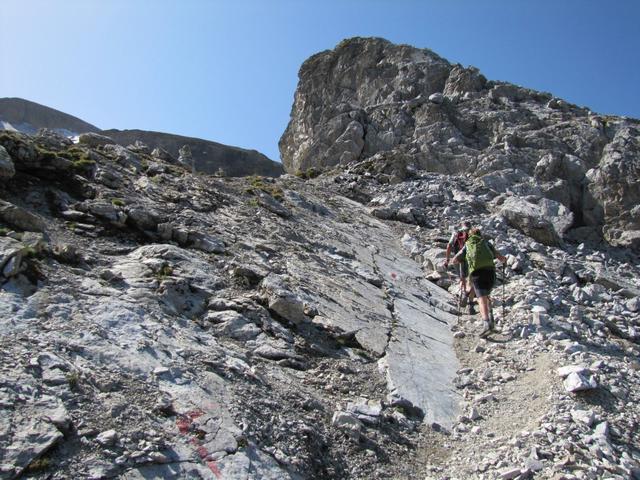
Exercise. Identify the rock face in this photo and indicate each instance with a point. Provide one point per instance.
(23, 116)
(7, 169)
(408, 108)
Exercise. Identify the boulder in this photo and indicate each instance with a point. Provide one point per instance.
(206, 243)
(30, 427)
(463, 80)
(271, 204)
(20, 218)
(142, 218)
(545, 221)
(576, 382)
(233, 324)
(124, 157)
(281, 300)
(107, 211)
(161, 154)
(7, 168)
(436, 98)
(95, 140)
(11, 253)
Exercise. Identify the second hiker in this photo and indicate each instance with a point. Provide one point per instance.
(456, 243)
(479, 255)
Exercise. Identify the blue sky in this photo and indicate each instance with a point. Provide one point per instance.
(226, 70)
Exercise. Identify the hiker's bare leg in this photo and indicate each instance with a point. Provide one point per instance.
(484, 303)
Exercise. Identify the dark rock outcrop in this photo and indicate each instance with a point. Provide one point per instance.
(28, 117)
(209, 157)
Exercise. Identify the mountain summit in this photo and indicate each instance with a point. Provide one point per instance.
(410, 109)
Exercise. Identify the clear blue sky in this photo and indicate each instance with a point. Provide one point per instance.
(226, 70)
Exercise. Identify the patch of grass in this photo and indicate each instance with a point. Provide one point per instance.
(117, 202)
(175, 170)
(29, 252)
(253, 202)
(403, 410)
(164, 272)
(4, 231)
(80, 159)
(73, 379)
(75, 153)
(38, 465)
(45, 154)
(309, 173)
(83, 163)
(257, 182)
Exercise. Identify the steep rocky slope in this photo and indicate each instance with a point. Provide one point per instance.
(159, 324)
(206, 156)
(412, 109)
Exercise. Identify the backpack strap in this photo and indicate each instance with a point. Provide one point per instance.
(461, 239)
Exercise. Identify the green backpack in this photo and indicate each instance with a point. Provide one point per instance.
(478, 254)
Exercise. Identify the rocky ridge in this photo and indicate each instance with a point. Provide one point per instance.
(17, 114)
(160, 324)
(409, 109)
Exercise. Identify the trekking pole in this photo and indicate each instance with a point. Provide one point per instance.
(504, 280)
(458, 299)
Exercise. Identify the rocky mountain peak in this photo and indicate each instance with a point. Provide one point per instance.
(408, 108)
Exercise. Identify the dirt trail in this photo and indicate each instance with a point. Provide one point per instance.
(509, 387)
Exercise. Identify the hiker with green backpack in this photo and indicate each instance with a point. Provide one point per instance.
(479, 255)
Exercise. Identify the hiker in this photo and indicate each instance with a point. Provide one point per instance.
(479, 255)
(456, 243)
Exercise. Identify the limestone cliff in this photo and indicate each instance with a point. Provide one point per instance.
(409, 108)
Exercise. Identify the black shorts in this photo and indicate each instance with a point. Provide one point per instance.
(483, 281)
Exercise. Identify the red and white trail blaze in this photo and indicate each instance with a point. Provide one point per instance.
(184, 423)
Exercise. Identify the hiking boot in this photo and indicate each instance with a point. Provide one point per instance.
(464, 298)
(486, 329)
